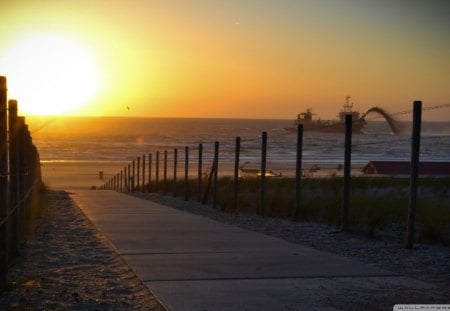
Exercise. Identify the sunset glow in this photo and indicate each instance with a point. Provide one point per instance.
(240, 59)
(50, 74)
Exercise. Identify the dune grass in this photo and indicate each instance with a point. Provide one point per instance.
(377, 204)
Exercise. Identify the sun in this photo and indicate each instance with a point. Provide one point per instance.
(49, 74)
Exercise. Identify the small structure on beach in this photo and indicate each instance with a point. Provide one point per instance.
(246, 172)
(403, 168)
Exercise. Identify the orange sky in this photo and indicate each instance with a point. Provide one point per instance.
(236, 58)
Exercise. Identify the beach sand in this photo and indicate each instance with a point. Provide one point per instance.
(78, 175)
(84, 175)
(68, 265)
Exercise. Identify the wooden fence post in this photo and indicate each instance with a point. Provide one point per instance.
(3, 184)
(125, 180)
(143, 173)
(149, 172)
(215, 172)
(186, 173)
(121, 182)
(236, 174)
(415, 153)
(175, 164)
(263, 174)
(347, 172)
(138, 170)
(298, 172)
(21, 166)
(157, 171)
(14, 176)
(199, 176)
(133, 178)
(129, 179)
(165, 173)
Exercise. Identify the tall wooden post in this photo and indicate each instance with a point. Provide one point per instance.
(125, 180)
(130, 185)
(143, 173)
(3, 183)
(121, 182)
(14, 176)
(175, 164)
(186, 173)
(138, 170)
(199, 175)
(149, 172)
(262, 198)
(133, 178)
(347, 172)
(237, 152)
(415, 153)
(298, 172)
(215, 173)
(21, 164)
(165, 173)
(157, 172)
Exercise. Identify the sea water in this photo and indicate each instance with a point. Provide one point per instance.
(120, 140)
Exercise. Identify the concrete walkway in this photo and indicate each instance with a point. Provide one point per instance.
(194, 263)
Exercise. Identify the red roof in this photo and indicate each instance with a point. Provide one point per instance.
(404, 168)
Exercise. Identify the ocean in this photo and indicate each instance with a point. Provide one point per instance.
(117, 140)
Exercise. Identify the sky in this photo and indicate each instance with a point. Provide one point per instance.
(234, 58)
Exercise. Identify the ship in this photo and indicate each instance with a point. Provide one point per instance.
(313, 123)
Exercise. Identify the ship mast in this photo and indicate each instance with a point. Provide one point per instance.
(348, 105)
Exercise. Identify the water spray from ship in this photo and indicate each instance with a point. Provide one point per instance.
(393, 124)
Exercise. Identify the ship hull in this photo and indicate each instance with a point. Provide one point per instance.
(326, 127)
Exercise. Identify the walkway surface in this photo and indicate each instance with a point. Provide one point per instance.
(193, 263)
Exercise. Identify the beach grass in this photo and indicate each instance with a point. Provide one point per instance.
(377, 204)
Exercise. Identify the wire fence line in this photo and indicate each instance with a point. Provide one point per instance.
(20, 179)
(164, 166)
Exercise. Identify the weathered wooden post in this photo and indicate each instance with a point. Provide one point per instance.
(237, 152)
(14, 176)
(133, 178)
(298, 172)
(130, 185)
(3, 184)
(121, 181)
(175, 164)
(20, 131)
(186, 173)
(415, 153)
(199, 175)
(215, 173)
(165, 173)
(125, 179)
(143, 173)
(138, 179)
(347, 172)
(149, 172)
(157, 172)
(262, 198)
(21, 160)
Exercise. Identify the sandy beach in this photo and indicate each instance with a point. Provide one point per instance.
(77, 175)
(68, 265)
